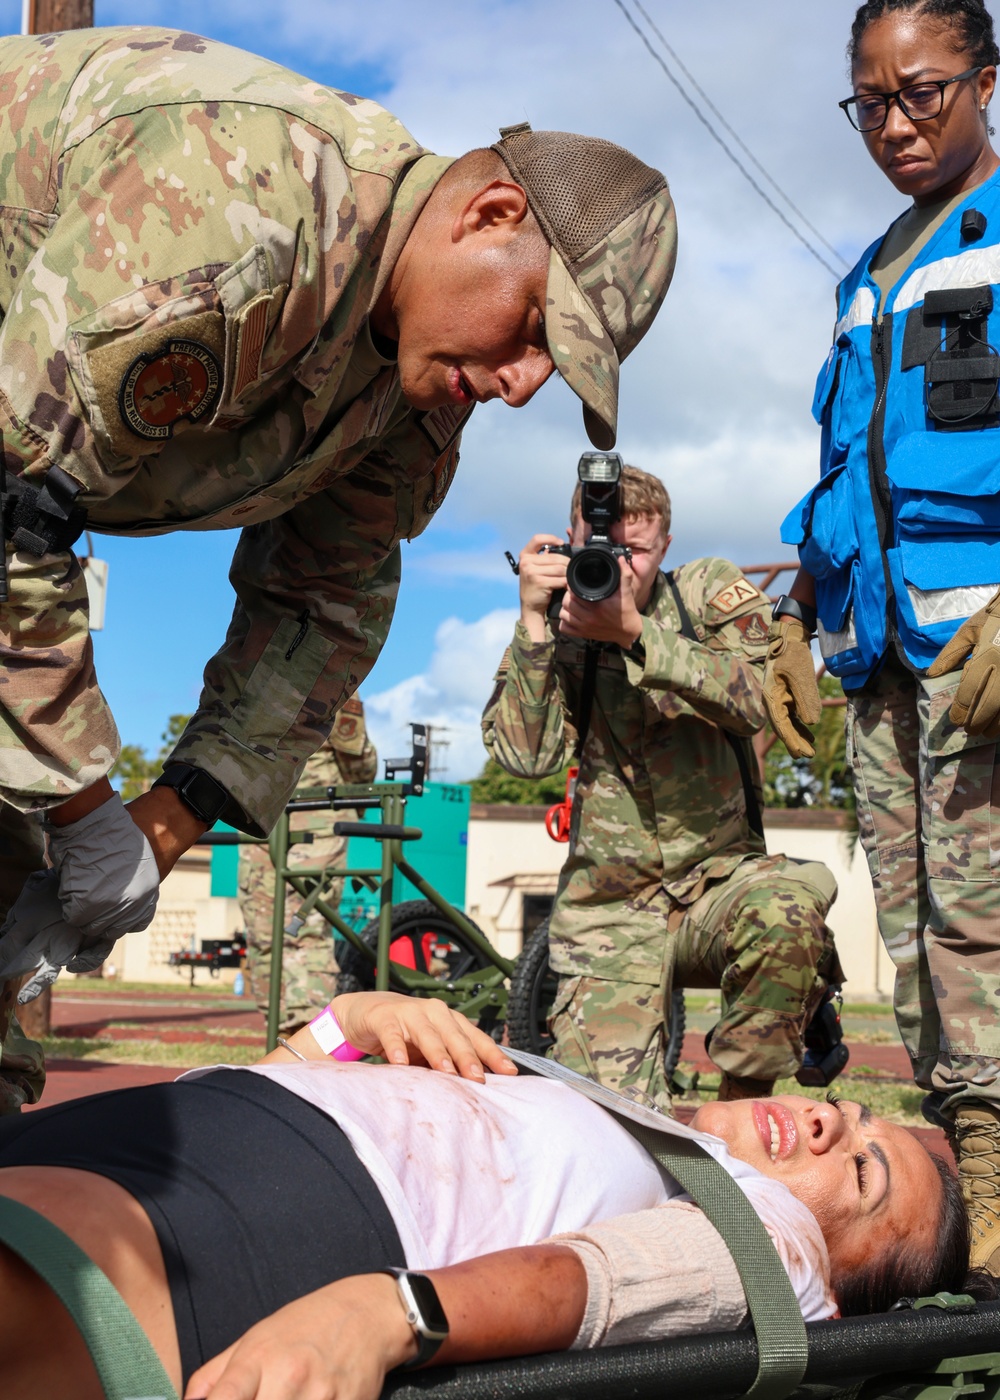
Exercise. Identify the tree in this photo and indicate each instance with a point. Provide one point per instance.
(135, 772)
(495, 784)
(822, 781)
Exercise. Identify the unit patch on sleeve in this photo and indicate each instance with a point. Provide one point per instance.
(348, 734)
(159, 390)
(752, 628)
(734, 596)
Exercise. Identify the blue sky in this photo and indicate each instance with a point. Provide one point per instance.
(715, 400)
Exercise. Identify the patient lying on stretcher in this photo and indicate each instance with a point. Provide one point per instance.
(245, 1214)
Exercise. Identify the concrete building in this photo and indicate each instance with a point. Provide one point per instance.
(514, 866)
(511, 878)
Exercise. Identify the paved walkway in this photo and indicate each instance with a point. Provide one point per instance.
(74, 1079)
(151, 1016)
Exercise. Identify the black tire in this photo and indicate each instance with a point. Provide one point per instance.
(417, 917)
(532, 992)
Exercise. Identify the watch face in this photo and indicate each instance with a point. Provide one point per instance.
(426, 1298)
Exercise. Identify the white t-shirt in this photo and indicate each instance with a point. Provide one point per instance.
(467, 1168)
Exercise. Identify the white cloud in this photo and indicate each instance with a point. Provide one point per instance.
(449, 695)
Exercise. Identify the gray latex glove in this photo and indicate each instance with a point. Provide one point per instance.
(36, 939)
(108, 880)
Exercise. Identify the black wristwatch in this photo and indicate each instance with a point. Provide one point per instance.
(791, 607)
(424, 1313)
(199, 791)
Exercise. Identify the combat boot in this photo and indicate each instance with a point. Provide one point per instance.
(977, 1151)
(735, 1087)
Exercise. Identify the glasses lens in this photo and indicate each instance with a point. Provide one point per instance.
(868, 112)
(922, 101)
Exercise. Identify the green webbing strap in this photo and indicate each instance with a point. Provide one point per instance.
(782, 1347)
(126, 1363)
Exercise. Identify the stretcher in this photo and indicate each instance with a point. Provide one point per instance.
(938, 1349)
(922, 1353)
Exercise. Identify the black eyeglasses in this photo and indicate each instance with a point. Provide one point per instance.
(920, 102)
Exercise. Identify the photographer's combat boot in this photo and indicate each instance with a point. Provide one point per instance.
(977, 1150)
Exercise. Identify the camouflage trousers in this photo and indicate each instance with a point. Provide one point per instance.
(760, 937)
(308, 967)
(22, 1061)
(928, 798)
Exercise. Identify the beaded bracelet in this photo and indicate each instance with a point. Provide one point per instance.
(331, 1039)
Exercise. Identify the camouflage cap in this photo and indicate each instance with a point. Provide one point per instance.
(610, 222)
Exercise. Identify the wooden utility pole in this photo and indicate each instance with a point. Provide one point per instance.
(49, 16)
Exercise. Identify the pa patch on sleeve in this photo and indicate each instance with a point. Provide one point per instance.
(734, 595)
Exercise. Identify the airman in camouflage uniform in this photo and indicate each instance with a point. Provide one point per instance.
(235, 298)
(665, 882)
(308, 966)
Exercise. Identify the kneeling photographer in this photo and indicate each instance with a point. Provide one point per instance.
(653, 682)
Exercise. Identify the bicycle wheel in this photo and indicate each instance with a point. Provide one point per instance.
(422, 938)
(532, 992)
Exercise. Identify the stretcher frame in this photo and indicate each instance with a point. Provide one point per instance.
(923, 1353)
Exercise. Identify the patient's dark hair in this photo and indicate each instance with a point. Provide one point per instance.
(907, 1272)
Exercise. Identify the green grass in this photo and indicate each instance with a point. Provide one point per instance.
(216, 1033)
(897, 1102)
(709, 1002)
(151, 1052)
(102, 988)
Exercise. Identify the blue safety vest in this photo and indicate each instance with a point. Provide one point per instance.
(902, 531)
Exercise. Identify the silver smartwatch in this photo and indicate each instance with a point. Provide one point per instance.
(424, 1313)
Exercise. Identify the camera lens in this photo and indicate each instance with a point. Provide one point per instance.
(593, 574)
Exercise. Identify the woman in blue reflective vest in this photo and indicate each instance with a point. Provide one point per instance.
(900, 550)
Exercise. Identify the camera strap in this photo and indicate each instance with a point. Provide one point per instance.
(587, 690)
(754, 816)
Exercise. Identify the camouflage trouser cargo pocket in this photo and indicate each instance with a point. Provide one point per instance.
(613, 1032)
(761, 937)
(308, 965)
(926, 796)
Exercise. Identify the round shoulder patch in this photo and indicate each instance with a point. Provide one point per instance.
(182, 380)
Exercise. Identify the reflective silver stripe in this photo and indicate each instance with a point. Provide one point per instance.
(948, 604)
(830, 643)
(859, 313)
(969, 269)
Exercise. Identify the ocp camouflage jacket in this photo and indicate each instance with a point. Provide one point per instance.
(193, 240)
(659, 798)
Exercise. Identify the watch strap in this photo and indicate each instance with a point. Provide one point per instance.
(792, 607)
(198, 790)
(428, 1339)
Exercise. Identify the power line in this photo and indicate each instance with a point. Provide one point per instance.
(736, 136)
(732, 156)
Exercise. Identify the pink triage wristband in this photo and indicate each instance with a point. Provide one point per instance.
(331, 1039)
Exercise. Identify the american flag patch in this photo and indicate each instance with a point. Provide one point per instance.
(250, 345)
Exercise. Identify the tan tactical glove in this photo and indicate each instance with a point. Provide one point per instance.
(791, 694)
(977, 702)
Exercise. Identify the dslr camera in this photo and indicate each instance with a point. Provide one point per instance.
(593, 573)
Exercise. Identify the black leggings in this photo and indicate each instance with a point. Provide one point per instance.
(256, 1197)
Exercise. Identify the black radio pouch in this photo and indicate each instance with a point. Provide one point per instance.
(947, 334)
